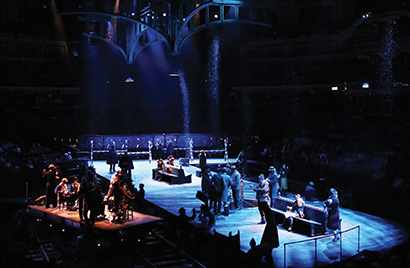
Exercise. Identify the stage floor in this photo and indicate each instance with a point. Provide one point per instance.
(72, 218)
(376, 234)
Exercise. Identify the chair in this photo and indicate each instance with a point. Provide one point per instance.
(128, 210)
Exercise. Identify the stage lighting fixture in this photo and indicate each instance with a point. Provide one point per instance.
(365, 85)
(174, 74)
(215, 16)
(366, 15)
(129, 80)
(164, 14)
(335, 88)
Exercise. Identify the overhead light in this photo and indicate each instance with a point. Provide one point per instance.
(335, 88)
(366, 15)
(365, 85)
(174, 74)
(129, 80)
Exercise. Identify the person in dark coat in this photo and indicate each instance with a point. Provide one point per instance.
(202, 161)
(333, 215)
(127, 165)
(206, 183)
(217, 187)
(270, 238)
(49, 175)
(112, 158)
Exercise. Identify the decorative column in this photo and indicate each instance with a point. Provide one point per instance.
(226, 149)
(92, 151)
(150, 151)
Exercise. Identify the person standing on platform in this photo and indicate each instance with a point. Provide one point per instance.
(61, 191)
(273, 180)
(236, 187)
(85, 187)
(49, 176)
(74, 193)
(206, 183)
(170, 148)
(262, 195)
(333, 215)
(283, 175)
(139, 198)
(112, 158)
(225, 193)
(202, 162)
(127, 165)
(217, 187)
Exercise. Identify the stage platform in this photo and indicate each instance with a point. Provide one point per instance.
(367, 232)
(72, 219)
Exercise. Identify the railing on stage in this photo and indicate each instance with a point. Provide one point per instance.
(322, 237)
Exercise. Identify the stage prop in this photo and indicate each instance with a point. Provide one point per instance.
(153, 146)
(71, 219)
(313, 224)
(173, 175)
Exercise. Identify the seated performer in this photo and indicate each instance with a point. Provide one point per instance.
(296, 210)
(160, 167)
(127, 199)
(74, 194)
(171, 160)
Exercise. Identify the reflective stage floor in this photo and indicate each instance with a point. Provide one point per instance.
(367, 232)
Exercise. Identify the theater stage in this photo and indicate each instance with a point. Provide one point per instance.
(375, 234)
(72, 218)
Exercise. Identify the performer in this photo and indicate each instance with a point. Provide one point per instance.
(127, 165)
(262, 195)
(171, 160)
(333, 215)
(296, 210)
(283, 174)
(49, 175)
(61, 191)
(112, 158)
(236, 187)
(202, 162)
(74, 194)
(273, 180)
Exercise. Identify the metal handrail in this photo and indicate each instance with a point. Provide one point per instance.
(321, 237)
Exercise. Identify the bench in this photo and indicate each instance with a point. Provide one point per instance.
(173, 175)
(312, 224)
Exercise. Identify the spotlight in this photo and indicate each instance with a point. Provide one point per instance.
(365, 85)
(164, 14)
(174, 74)
(335, 88)
(129, 80)
(366, 15)
(215, 16)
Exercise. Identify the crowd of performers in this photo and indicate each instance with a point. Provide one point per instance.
(88, 197)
